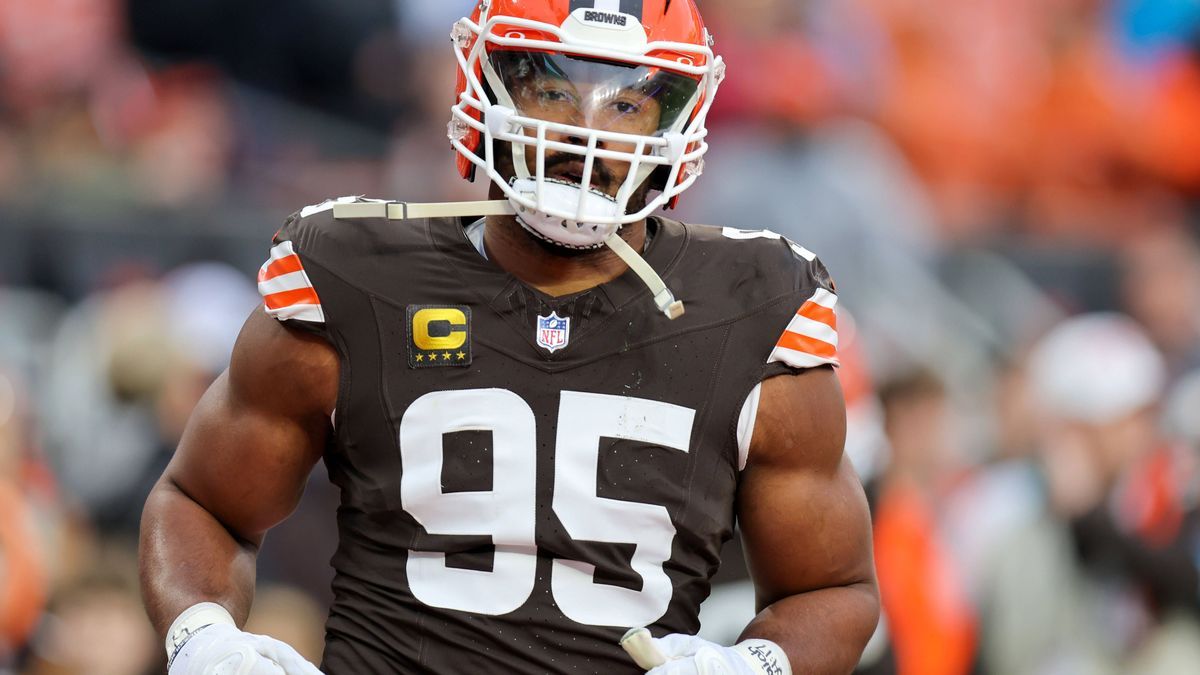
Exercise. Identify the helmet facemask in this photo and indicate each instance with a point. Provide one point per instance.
(578, 136)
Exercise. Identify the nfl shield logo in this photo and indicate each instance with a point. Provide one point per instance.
(553, 332)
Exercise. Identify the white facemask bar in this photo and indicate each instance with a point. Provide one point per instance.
(500, 122)
(506, 125)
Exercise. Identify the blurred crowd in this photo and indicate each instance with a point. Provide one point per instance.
(1006, 191)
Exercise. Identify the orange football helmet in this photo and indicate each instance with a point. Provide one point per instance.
(595, 67)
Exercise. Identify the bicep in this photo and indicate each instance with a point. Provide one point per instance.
(259, 430)
(801, 508)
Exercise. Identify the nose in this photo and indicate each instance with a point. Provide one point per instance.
(582, 141)
(568, 137)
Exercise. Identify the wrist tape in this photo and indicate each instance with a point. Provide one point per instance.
(193, 620)
(764, 656)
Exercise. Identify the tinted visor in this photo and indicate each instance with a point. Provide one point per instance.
(597, 95)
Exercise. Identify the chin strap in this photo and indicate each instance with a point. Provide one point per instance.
(406, 211)
(663, 297)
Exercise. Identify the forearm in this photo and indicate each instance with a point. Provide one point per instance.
(822, 631)
(187, 556)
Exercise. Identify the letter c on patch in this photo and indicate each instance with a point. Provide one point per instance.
(439, 329)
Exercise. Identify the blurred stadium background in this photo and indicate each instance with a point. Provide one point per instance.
(989, 181)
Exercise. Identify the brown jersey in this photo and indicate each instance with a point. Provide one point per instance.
(524, 477)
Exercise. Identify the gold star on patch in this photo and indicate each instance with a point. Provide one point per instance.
(420, 358)
(462, 356)
(446, 356)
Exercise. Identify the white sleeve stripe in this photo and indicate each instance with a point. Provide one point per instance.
(797, 359)
(824, 298)
(745, 425)
(816, 330)
(288, 282)
(310, 313)
(281, 250)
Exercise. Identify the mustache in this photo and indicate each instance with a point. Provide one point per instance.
(600, 170)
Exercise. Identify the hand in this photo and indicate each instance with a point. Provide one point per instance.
(689, 655)
(221, 649)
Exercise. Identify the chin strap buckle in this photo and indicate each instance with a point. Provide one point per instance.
(669, 305)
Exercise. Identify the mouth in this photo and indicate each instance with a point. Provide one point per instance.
(568, 171)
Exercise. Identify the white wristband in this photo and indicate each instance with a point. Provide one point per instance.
(764, 656)
(192, 620)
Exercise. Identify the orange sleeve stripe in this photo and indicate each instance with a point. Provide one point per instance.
(302, 296)
(280, 267)
(812, 310)
(803, 343)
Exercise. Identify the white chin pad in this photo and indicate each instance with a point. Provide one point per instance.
(561, 197)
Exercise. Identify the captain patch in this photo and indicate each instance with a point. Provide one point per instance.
(439, 336)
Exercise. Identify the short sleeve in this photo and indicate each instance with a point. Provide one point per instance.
(811, 338)
(287, 288)
(288, 292)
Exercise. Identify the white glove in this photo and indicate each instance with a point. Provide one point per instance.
(689, 655)
(212, 645)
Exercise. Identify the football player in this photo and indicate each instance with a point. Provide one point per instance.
(534, 453)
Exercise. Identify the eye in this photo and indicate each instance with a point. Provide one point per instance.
(556, 96)
(626, 107)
